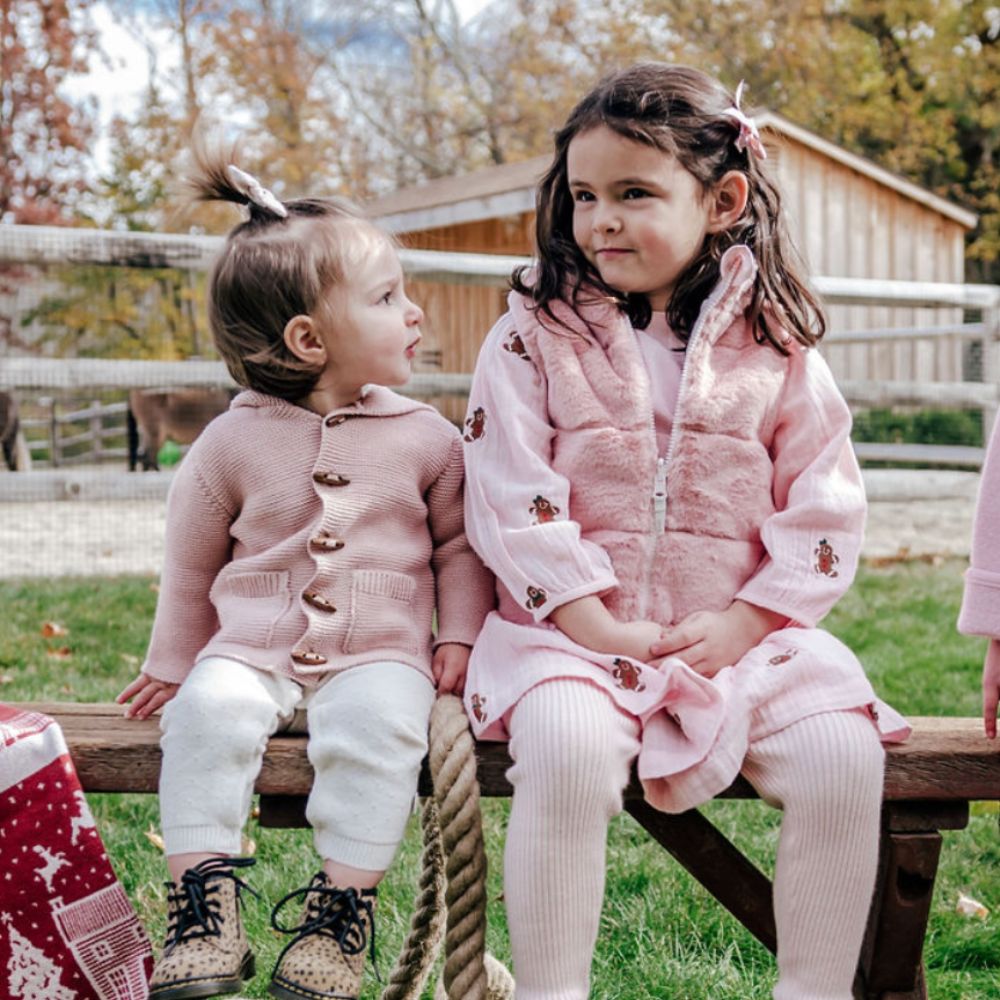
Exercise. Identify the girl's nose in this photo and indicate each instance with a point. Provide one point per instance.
(414, 314)
(606, 221)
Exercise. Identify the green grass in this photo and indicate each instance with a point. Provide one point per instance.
(662, 935)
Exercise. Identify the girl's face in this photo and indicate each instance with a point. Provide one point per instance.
(371, 329)
(639, 217)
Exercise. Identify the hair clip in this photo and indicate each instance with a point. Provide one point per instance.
(749, 137)
(249, 185)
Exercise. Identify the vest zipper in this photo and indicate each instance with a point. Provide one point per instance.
(660, 494)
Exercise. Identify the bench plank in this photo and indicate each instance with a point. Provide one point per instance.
(946, 759)
(929, 782)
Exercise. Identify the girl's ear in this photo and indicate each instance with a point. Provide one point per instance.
(303, 340)
(727, 201)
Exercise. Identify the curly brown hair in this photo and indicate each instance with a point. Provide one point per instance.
(680, 111)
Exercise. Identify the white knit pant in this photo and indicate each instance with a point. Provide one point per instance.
(572, 749)
(367, 737)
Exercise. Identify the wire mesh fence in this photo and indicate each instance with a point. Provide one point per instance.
(89, 319)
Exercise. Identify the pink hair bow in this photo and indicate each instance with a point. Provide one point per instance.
(749, 137)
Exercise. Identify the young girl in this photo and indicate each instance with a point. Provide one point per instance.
(980, 614)
(312, 531)
(659, 466)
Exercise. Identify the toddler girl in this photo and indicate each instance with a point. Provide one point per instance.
(980, 614)
(312, 531)
(659, 469)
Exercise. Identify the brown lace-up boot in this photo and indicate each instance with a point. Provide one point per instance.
(206, 951)
(324, 960)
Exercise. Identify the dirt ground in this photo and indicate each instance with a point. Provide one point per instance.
(70, 538)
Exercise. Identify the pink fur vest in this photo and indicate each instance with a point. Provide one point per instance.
(682, 531)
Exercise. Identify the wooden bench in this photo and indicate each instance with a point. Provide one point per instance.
(929, 783)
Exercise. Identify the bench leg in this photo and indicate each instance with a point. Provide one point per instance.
(713, 860)
(891, 966)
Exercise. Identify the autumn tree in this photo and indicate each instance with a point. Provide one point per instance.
(911, 84)
(44, 133)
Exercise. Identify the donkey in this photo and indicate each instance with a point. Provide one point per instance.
(15, 449)
(178, 414)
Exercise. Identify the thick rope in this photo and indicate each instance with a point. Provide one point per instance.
(453, 830)
(413, 966)
(456, 789)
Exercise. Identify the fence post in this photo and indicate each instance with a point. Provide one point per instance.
(96, 430)
(54, 456)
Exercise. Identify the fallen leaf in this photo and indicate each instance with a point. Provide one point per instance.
(130, 659)
(970, 907)
(248, 847)
(154, 838)
(61, 653)
(6, 679)
(154, 587)
(52, 629)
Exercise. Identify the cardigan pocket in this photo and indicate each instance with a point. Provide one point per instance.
(249, 605)
(381, 612)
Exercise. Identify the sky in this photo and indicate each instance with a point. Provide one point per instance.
(118, 78)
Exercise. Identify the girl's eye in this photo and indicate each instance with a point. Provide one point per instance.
(635, 193)
(387, 298)
(582, 196)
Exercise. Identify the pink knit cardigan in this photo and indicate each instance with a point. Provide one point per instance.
(306, 544)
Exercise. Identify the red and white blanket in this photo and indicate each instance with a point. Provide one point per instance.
(67, 929)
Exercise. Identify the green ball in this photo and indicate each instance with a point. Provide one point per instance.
(169, 454)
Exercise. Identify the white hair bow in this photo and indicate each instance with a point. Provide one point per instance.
(749, 137)
(249, 185)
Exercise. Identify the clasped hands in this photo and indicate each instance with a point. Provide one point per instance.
(706, 641)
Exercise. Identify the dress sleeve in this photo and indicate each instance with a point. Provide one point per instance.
(813, 540)
(198, 545)
(516, 505)
(465, 591)
(980, 614)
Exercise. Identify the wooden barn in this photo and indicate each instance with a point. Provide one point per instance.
(848, 216)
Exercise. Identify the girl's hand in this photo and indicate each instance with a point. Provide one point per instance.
(991, 687)
(588, 622)
(636, 640)
(147, 694)
(707, 641)
(449, 665)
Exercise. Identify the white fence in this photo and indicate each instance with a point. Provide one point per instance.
(45, 246)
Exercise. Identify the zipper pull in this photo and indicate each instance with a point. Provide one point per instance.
(660, 495)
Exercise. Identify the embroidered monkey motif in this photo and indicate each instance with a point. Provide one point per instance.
(826, 558)
(543, 509)
(476, 424)
(515, 345)
(477, 702)
(627, 674)
(536, 598)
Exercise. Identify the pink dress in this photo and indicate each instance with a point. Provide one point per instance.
(732, 478)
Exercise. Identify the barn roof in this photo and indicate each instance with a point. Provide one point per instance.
(509, 189)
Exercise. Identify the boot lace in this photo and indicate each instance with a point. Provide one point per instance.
(334, 913)
(195, 912)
